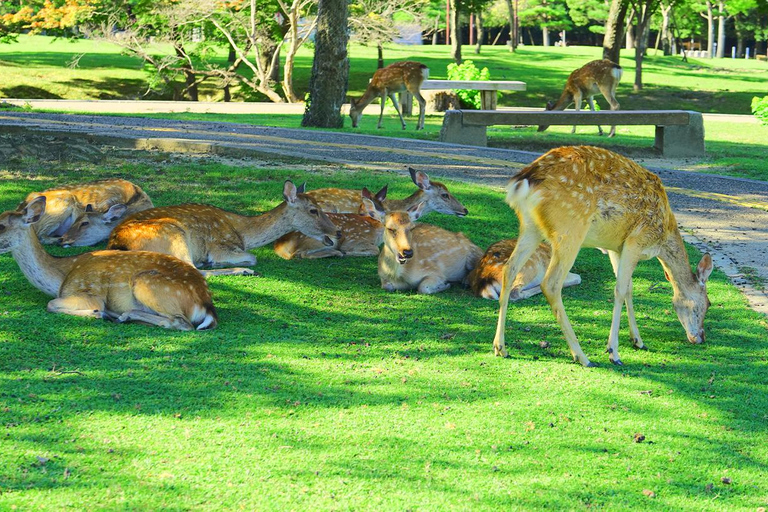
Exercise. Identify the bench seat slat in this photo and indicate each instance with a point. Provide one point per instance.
(584, 117)
(477, 85)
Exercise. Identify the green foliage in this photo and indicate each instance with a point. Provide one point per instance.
(760, 108)
(468, 71)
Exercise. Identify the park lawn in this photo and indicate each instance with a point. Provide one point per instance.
(44, 67)
(318, 390)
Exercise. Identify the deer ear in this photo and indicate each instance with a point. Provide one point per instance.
(115, 212)
(420, 179)
(366, 193)
(33, 210)
(289, 192)
(666, 275)
(415, 211)
(370, 209)
(382, 194)
(88, 208)
(302, 188)
(704, 269)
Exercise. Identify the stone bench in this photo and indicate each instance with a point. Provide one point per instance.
(679, 133)
(487, 88)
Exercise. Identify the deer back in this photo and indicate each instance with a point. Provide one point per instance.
(360, 234)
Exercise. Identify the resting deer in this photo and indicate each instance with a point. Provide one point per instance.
(421, 256)
(583, 196)
(598, 76)
(203, 235)
(397, 77)
(485, 278)
(67, 205)
(147, 287)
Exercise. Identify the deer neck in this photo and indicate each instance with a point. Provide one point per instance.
(368, 96)
(45, 272)
(259, 230)
(400, 205)
(565, 99)
(674, 259)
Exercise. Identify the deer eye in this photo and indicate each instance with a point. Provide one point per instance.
(313, 211)
(85, 223)
(444, 195)
(393, 231)
(2, 228)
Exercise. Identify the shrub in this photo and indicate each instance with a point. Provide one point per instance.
(760, 108)
(468, 71)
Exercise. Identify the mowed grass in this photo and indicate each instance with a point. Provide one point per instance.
(319, 390)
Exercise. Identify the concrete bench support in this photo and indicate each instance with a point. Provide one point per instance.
(679, 141)
(456, 132)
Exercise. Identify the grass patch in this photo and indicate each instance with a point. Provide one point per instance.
(320, 390)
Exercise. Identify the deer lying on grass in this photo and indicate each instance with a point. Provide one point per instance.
(598, 76)
(67, 205)
(421, 256)
(590, 197)
(397, 77)
(147, 287)
(361, 235)
(485, 278)
(203, 235)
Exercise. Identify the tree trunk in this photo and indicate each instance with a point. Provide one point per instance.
(614, 27)
(330, 67)
(434, 32)
(739, 35)
(629, 42)
(710, 29)
(380, 53)
(545, 36)
(189, 74)
(512, 26)
(643, 29)
(666, 36)
(231, 60)
(480, 32)
(721, 17)
(456, 8)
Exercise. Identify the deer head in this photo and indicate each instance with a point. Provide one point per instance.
(93, 227)
(355, 113)
(397, 228)
(306, 215)
(692, 306)
(437, 195)
(13, 224)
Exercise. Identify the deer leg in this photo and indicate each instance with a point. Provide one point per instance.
(526, 245)
(226, 257)
(393, 97)
(383, 97)
(577, 105)
(323, 252)
(624, 267)
(178, 322)
(155, 305)
(422, 108)
(433, 284)
(591, 103)
(637, 342)
(609, 93)
(79, 305)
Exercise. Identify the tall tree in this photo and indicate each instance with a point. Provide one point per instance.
(614, 29)
(457, 6)
(549, 15)
(330, 67)
(645, 9)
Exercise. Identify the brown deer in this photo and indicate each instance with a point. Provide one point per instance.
(598, 76)
(204, 235)
(68, 204)
(93, 227)
(421, 256)
(146, 287)
(485, 278)
(584, 196)
(397, 77)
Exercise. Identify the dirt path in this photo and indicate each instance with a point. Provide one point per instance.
(725, 216)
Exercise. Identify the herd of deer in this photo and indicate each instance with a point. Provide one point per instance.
(571, 197)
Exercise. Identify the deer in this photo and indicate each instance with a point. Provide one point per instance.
(67, 205)
(597, 76)
(94, 227)
(395, 78)
(485, 279)
(204, 235)
(145, 287)
(361, 234)
(421, 256)
(585, 196)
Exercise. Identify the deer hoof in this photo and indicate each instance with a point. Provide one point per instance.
(500, 352)
(590, 364)
(617, 362)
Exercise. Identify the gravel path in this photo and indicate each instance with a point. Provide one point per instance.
(726, 216)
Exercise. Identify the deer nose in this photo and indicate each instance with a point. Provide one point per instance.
(408, 253)
(338, 233)
(697, 338)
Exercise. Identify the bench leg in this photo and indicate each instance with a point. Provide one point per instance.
(455, 132)
(682, 141)
(488, 100)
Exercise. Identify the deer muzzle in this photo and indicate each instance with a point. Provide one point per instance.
(404, 256)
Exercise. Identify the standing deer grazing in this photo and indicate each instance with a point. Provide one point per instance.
(421, 256)
(598, 76)
(590, 197)
(146, 287)
(485, 278)
(66, 206)
(397, 77)
(203, 235)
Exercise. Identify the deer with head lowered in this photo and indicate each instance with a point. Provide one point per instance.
(146, 287)
(583, 196)
(361, 234)
(69, 205)
(421, 256)
(395, 78)
(598, 76)
(204, 235)
(485, 278)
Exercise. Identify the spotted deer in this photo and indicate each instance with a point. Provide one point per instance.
(204, 235)
(485, 278)
(395, 78)
(146, 287)
(598, 76)
(584, 196)
(421, 256)
(67, 205)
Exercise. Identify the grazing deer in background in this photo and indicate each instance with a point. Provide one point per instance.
(203, 235)
(433, 194)
(146, 287)
(397, 77)
(485, 278)
(598, 76)
(68, 204)
(590, 197)
(421, 256)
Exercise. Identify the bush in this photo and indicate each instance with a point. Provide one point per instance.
(760, 108)
(468, 71)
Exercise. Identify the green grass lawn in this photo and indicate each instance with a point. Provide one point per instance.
(318, 390)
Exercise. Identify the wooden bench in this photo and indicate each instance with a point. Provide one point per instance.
(679, 133)
(487, 88)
